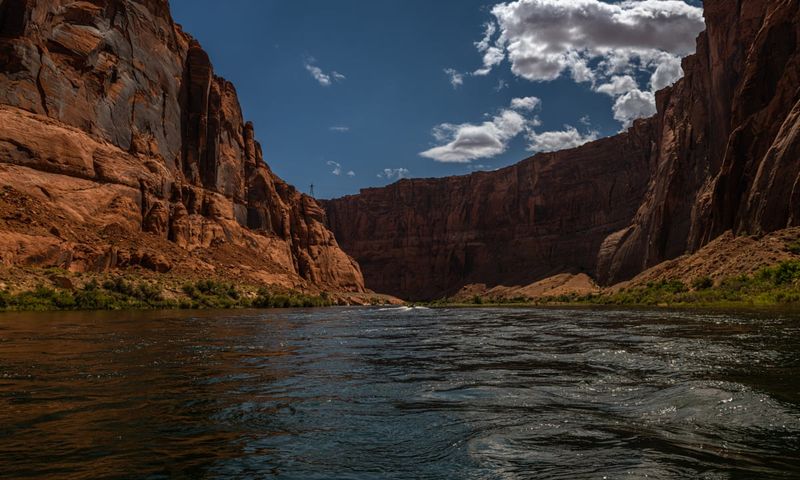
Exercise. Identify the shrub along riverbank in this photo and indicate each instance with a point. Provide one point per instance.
(119, 293)
(774, 286)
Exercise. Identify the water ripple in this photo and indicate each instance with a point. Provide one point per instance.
(400, 393)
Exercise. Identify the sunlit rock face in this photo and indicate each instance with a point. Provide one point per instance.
(722, 153)
(114, 93)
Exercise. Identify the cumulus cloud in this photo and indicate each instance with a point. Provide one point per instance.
(466, 141)
(592, 41)
(394, 173)
(324, 79)
(634, 104)
(668, 71)
(456, 78)
(525, 103)
(351, 173)
(553, 141)
(618, 85)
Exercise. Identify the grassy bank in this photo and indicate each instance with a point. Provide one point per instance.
(774, 286)
(120, 293)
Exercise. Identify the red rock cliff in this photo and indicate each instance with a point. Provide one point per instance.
(722, 153)
(110, 115)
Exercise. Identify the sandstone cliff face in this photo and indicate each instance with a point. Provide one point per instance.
(722, 153)
(111, 97)
(424, 238)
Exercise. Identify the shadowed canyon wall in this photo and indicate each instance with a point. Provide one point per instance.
(111, 115)
(722, 153)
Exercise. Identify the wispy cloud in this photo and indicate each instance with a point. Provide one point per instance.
(394, 173)
(337, 167)
(456, 78)
(324, 79)
(339, 128)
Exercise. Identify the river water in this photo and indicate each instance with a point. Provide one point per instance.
(399, 393)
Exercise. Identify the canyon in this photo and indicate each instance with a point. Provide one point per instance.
(121, 150)
(720, 157)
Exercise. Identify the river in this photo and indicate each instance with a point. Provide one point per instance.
(398, 393)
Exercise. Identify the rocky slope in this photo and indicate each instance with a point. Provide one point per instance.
(119, 147)
(722, 154)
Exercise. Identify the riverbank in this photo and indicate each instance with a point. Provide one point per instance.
(776, 286)
(55, 289)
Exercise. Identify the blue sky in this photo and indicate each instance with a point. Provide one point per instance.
(349, 94)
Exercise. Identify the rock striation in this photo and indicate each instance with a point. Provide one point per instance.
(721, 154)
(114, 125)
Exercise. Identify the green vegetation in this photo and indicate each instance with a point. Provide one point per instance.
(777, 285)
(794, 247)
(702, 283)
(479, 301)
(121, 294)
(265, 299)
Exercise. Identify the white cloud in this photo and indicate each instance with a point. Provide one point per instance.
(339, 128)
(456, 78)
(337, 168)
(667, 72)
(466, 142)
(553, 141)
(491, 57)
(490, 29)
(492, 53)
(394, 173)
(601, 43)
(525, 103)
(618, 85)
(634, 104)
(321, 77)
(586, 120)
(501, 84)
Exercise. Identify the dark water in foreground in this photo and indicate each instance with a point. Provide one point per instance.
(401, 394)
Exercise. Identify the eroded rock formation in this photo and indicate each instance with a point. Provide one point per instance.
(722, 154)
(111, 116)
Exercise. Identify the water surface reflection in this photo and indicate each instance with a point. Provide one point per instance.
(398, 393)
